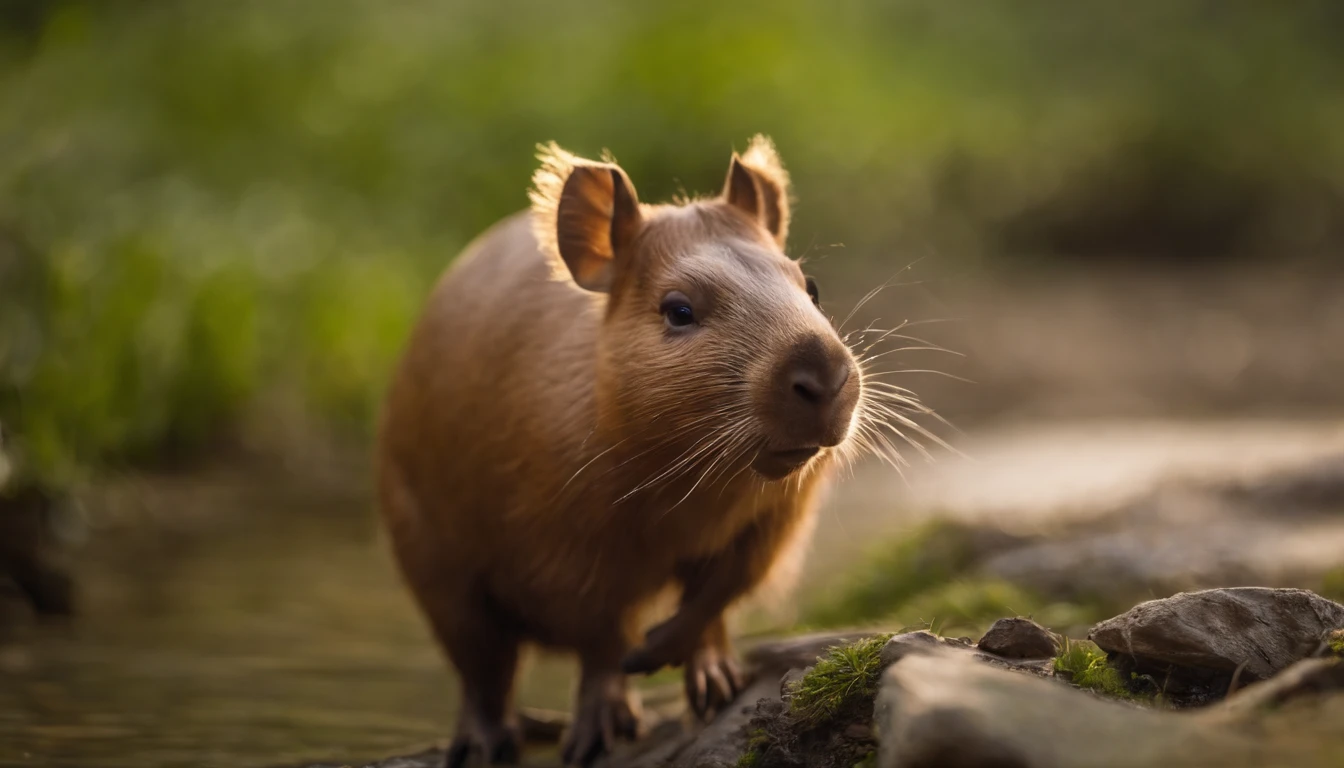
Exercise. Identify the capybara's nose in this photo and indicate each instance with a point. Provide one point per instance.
(818, 391)
(818, 385)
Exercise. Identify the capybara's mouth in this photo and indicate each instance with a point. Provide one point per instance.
(776, 465)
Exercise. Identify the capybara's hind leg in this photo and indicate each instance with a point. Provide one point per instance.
(486, 658)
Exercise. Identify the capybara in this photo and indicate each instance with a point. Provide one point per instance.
(604, 402)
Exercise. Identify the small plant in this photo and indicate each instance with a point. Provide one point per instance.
(846, 674)
(1086, 666)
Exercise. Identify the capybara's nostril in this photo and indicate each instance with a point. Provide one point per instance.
(839, 378)
(819, 385)
(807, 385)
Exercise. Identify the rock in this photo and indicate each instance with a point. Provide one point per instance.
(859, 732)
(1188, 532)
(1309, 677)
(721, 743)
(904, 644)
(663, 739)
(1313, 485)
(938, 708)
(1219, 630)
(923, 641)
(790, 679)
(1168, 556)
(1019, 638)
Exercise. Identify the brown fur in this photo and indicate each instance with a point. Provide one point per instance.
(551, 459)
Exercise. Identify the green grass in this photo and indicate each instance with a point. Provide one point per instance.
(844, 675)
(1086, 666)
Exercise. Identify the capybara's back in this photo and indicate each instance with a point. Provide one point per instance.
(604, 401)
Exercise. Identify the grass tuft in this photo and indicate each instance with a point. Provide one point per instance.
(1086, 666)
(846, 674)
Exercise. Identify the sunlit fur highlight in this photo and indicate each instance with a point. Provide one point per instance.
(762, 158)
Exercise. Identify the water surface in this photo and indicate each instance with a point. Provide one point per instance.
(228, 622)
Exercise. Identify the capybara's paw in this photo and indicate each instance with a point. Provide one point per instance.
(502, 746)
(605, 713)
(669, 644)
(713, 679)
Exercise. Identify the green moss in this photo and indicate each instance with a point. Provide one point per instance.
(1086, 666)
(757, 741)
(869, 760)
(1336, 641)
(846, 674)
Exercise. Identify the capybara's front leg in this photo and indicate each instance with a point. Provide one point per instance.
(713, 675)
(696, 636)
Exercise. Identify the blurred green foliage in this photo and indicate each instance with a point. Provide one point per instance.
(929, 578)
(925, 560)
(206, 203)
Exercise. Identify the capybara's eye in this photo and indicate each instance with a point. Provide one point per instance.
(676, 308)
(812, 291)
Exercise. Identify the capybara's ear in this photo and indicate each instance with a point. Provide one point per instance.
(759, 186)
(585, 214)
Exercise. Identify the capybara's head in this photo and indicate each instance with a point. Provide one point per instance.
(713, 344)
